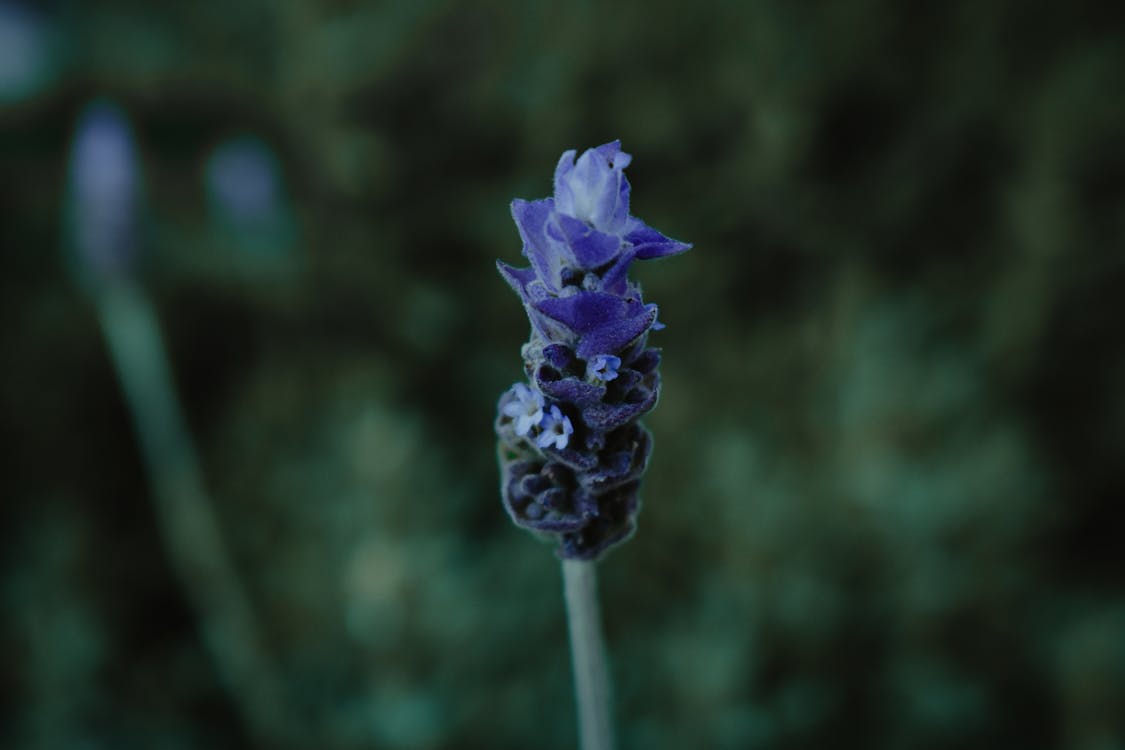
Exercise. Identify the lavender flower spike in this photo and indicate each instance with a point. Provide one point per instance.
(104, 193)
(572, 450)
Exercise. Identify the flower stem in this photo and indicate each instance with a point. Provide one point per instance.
(188, 522)
(591, 676)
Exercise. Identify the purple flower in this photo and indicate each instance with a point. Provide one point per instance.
(585, 227)
(594, 189)
(244, 181)
(105, 186)
(588, 359)
(603, 368)
(555, 430)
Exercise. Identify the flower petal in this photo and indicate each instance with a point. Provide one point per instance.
(517, 278)
(531, 288)
(590, 247)
(585, 312)
(571, 390)
(649, 243)
(564, 198)
(617, 335)
(594, 189)
(546, 255)
(614, 280)
(560, 356)
(606, 417)
(617, 160)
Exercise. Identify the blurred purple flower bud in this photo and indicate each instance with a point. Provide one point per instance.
(243, 182)
(104, 191)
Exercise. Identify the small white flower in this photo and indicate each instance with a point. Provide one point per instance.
(602, 368)
(526, 408)
(557, 429)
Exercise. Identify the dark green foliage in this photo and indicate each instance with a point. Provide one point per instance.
(884, 509)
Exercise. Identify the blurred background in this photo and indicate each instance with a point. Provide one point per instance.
(253, 339)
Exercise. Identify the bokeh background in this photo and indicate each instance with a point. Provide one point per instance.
(885, 506)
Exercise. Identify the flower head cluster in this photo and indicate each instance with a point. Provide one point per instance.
(571, 448)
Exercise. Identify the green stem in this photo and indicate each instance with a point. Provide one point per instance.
(591, 676)
(186, 519)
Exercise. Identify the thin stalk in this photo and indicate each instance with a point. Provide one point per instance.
(184, 514)
(587, 649)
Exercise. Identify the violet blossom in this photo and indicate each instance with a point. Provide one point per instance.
(572, 451)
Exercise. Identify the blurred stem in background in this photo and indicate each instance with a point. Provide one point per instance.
(587, 651)
(102, 213)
